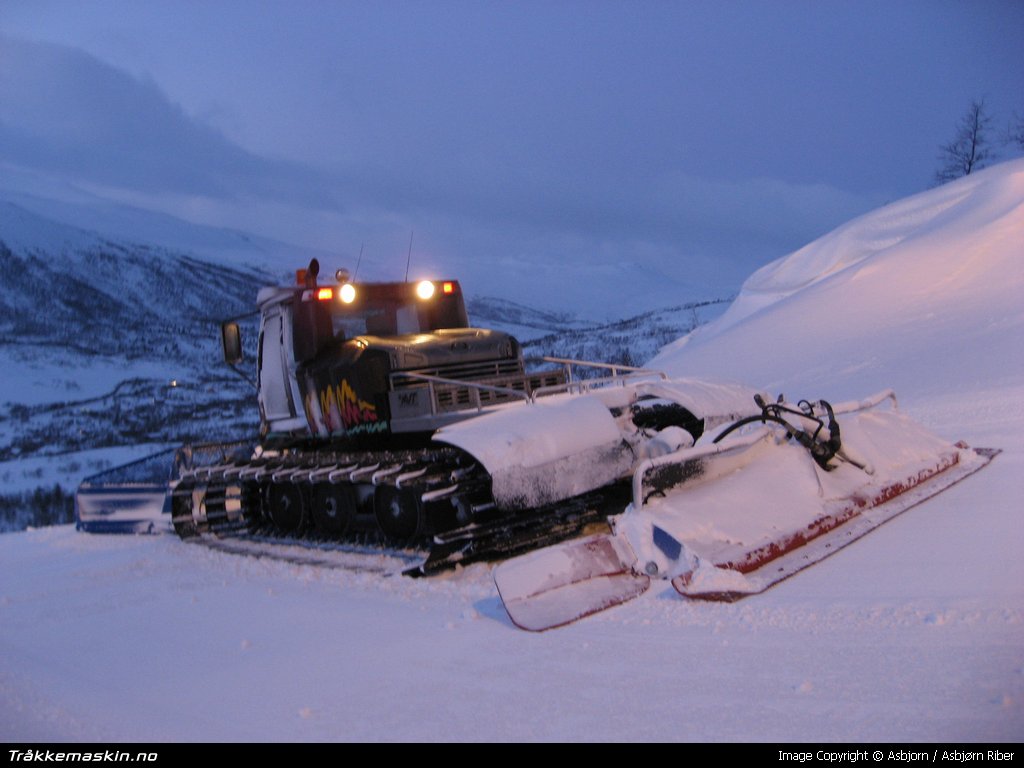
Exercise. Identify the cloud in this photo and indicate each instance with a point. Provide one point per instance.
(66, 112)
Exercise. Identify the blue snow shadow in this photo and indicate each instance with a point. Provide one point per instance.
(492, 608)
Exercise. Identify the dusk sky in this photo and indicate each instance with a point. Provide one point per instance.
(697, 137)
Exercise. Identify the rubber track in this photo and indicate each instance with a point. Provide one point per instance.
(227, 522)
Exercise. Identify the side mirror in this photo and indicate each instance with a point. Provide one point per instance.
(231, 341)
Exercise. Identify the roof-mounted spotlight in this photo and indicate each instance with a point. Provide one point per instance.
(425, 289)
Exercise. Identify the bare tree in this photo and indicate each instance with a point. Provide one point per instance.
(969, 151)
(1015, 134)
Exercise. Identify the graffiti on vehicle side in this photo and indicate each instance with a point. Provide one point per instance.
(344, 410)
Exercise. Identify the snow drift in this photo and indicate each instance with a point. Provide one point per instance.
(923, 295)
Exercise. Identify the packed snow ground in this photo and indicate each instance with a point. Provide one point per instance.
(916, 632)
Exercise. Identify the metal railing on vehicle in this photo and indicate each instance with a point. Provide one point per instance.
(620, 375)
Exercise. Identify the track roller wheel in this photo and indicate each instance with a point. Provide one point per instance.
(399, 512)
(334, 507)
(182, 500)
(286, 507)
(252, 503)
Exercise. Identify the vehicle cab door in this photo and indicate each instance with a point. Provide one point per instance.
(280, 402)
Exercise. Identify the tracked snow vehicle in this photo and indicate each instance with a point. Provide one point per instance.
(385, 415)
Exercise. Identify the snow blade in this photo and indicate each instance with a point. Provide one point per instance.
(555, 586)
(767, 566)
(131, 498)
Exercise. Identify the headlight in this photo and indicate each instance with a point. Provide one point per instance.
(347, 293)
(425, 289)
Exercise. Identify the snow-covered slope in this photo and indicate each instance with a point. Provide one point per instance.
(925, 294)
(912, 633)
(107, 343)
(50, 223)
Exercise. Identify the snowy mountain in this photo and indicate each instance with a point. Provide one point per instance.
(111, 343)
(911, 634)
(85, 293)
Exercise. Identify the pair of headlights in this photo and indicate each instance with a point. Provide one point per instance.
(425, 289)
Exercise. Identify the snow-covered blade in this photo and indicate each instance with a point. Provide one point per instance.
(795, 553)
(739, 512)
(558, 585)
(778, 498)
(556, 449)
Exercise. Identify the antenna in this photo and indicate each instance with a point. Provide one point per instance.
(358, 262)
(409, 257)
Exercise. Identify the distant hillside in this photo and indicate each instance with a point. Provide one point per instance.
(630, 341)
(78, 291)
(107, 343)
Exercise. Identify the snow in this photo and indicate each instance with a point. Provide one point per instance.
(72, 220)
(584, 576)
(759, 497)
(30, 379)
(718, 402)
(915, 632)
(708, 577)
(531, 452)
(923, 295)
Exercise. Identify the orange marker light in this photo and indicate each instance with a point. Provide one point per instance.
(447, 288)
(325, 294)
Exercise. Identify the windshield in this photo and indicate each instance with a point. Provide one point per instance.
(390, 319)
